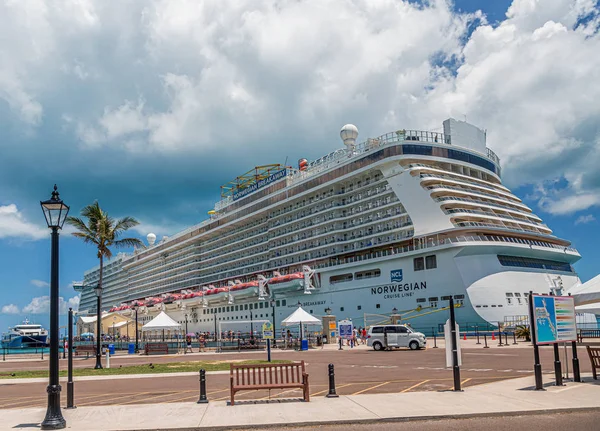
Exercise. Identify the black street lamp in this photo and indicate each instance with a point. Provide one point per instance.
(98, 292)
(394, 310)
(186, 327)
(251, 326)
(328, 311)
(134, 307)
(55, 212)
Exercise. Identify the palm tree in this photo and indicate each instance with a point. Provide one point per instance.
(103, 232)
(522, 331)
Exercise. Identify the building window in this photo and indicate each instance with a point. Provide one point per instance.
(431, 262)
(421, 299)
(529, 262)
(419, 264)
(246, 307)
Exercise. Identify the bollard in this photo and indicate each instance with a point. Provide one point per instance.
(514, 337)
(202, 399)
(477, 333)
(107, 358)
(485, 340)
(331, 393)
(340, 340)
(506, 339)
(4, 354)
(500, 338)
(434, 341)
(42, 353)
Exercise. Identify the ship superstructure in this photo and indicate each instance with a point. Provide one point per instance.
(401, 221)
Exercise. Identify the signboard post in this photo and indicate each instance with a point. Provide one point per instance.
(454, 341)
(268, 334)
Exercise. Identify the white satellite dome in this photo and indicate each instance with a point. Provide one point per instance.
(151, 238)
(349, 133)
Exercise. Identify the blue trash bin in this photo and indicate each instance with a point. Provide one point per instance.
(111, 349)
(131, 350)
(304, 345)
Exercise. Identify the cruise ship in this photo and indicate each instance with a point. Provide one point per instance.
(401, 223)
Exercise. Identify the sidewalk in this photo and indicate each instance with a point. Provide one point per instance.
(506, 397)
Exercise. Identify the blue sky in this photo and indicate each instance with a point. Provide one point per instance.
(151, 106)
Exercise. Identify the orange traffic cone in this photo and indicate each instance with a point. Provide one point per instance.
(465, 337)
(493, 337)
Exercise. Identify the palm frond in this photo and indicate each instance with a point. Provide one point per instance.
(124, 224)
(128, 242)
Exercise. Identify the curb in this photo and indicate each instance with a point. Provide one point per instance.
(380, 420)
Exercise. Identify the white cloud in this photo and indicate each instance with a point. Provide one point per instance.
(585, 219)
(14, 225)
(41, 305)
(10, 309)
(244, 79)
(40, 283)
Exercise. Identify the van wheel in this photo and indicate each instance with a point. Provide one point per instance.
(377, 346)
(413, 345)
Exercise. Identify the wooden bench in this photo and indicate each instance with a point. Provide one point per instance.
(268, 376)
(85, 349)
(594, 353)
(156, 348)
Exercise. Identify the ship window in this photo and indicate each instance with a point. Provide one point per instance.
(444, 298)
(341, 308)
(418, 264)
(245, 306)
(358, 307)
(459, 296)
(278, 303)
(421, 300)
(340, 278)
(431, 262)
(530, 262)
(219, 310)
(251, 306)
(377, 305)
(367, 274)
(283, 302)
(311, 312)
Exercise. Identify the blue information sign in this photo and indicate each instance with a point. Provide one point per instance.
(345, 327)
(554, 318)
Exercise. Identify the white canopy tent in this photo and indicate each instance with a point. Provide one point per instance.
(587, 293)
(301, 317)
(162, 321)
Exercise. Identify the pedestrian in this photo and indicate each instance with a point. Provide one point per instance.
(201, 342)
(364, 335)
(188, 343)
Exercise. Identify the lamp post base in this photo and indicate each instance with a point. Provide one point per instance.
(54, 419)
(98, 363)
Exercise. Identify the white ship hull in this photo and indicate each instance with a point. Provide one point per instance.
(481, 278)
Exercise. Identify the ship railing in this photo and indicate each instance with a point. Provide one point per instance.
(465, 181)
(493, 214)
(425, 243)
(498, 225)
(460, 189)
(478, 201)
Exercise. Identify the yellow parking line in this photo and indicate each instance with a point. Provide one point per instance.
(116, 398)
(327, 390)
(280, 393)
(415, 386)
(464, 381)
(193, 397)
(372, 387)
(151, 398)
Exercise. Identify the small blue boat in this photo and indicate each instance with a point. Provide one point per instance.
(25, 335)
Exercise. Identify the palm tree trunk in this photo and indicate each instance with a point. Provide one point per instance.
(99, 318)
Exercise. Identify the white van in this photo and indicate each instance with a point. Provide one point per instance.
(395, 336)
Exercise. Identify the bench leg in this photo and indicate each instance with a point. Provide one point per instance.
(232, 396)
(594, 372)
